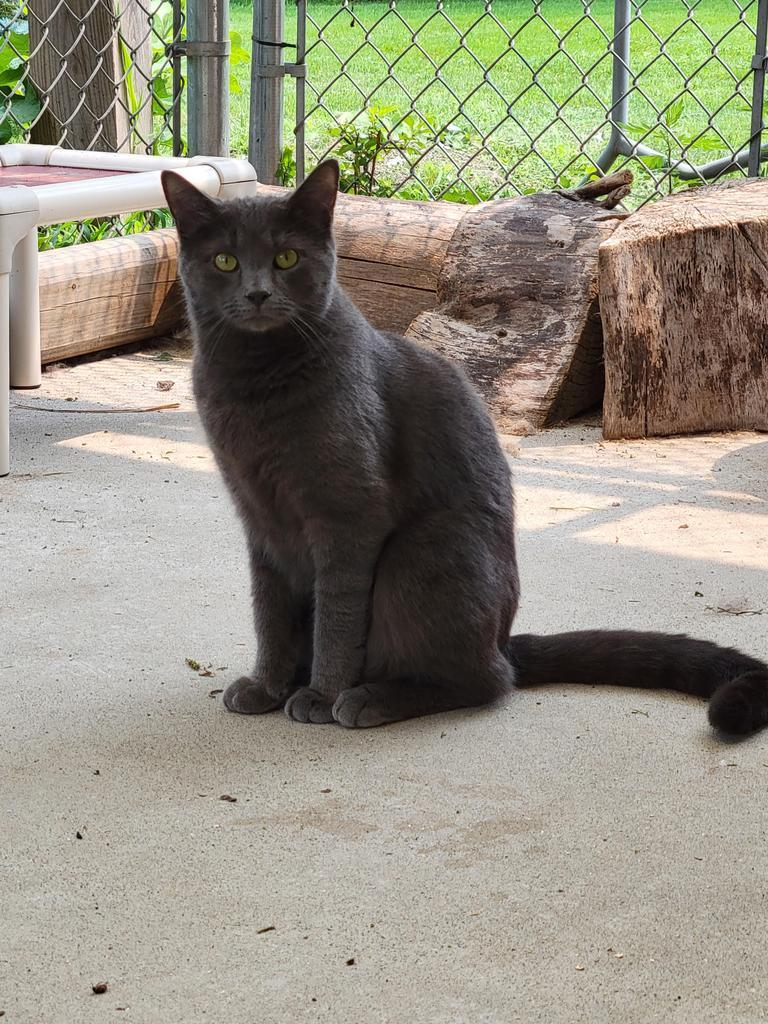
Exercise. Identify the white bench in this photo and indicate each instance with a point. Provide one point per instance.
(47, 185)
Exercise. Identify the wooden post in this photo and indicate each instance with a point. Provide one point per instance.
(78, 66)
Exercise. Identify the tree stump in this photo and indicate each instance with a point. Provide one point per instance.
(683, 285)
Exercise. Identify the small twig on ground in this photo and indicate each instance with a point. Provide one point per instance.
(35, 476)
(96, 412)
(725, 610)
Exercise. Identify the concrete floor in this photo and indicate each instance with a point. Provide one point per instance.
(577, 855)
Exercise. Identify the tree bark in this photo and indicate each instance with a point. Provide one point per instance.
(518, 303)
(77, 67)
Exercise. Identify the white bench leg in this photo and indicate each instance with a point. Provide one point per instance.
(5, 361)
(19, 214)
(25, 315)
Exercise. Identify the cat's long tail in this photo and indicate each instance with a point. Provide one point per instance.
(736, 684)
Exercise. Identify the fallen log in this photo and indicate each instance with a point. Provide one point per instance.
(100, 295)
(508, 289)
(683, 285)
(518, 303)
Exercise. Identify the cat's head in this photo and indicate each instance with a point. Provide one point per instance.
(260, 262)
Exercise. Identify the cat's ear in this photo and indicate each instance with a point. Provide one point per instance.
(314, 200)
(192, 209)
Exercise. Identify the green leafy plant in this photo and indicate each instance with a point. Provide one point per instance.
(19, 102)
(461, 193)
(578, 171)
(362, 141)
(286, 169)
(57, 236)
(665, 136)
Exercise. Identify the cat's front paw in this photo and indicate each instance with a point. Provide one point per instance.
(357, 708)
(308, 705)
(247, 697)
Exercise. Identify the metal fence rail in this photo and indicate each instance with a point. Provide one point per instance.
(471, 99)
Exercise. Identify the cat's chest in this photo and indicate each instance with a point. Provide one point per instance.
(263, 469)
(266, 474)
(274, 522)
(234, 431)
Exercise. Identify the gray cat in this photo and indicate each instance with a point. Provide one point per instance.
(376, 501)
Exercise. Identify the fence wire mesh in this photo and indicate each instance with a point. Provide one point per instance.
(92, 74)
(456, 99)
(473, 100)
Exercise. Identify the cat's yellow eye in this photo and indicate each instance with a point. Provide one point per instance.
(286, 259)
(225, 261)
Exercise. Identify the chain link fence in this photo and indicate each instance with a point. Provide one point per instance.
(463, 100)
(93, 74)
(469, 100)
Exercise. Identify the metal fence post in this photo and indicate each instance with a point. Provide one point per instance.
(758, 90)
(173, 52)
(620, 88)
(207, 49)
(301, 84)
(265, 142)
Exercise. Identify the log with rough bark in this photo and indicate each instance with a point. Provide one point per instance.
(507, 289)
(517, 302)
(683, 286)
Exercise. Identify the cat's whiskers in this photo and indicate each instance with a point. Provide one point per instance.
(217, 330)
(308, 331)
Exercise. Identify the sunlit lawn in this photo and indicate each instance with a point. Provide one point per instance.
(533, 102)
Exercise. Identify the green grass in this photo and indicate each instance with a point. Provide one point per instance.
(530, 119)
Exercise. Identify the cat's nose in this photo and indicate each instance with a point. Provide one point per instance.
(257, 297)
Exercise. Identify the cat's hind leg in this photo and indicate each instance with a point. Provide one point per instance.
(393, 700)
(443, 601)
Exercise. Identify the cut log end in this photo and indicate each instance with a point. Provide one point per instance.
(682, 290)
